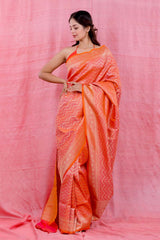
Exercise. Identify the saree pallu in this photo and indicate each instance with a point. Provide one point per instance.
(87, 127)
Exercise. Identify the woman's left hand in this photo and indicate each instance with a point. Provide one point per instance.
(75, 87)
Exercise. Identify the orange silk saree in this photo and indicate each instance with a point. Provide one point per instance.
(87, 127)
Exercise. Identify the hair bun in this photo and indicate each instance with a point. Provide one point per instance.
(93, 28)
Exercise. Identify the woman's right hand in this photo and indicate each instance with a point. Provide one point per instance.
(75, 87)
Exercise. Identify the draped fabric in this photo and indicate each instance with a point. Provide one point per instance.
(87, 133)
(31, 33)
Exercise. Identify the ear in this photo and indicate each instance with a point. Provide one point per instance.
(88, 28)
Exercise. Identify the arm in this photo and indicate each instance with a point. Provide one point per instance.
(55, 62)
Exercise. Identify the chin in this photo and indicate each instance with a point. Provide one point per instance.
(76, 39)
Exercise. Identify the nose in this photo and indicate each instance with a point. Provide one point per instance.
(72, 31)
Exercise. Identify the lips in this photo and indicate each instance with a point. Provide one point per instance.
(74, 35)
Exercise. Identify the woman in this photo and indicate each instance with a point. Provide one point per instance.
(87, 127)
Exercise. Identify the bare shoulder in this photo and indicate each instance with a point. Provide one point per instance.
(57, 60)
(68, 50)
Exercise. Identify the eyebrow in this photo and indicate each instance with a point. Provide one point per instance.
(73, 25)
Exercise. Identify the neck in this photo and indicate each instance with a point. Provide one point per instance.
(85, 43)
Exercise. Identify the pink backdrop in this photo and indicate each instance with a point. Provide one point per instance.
(31, 32)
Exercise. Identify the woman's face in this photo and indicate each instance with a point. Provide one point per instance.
(78, 31)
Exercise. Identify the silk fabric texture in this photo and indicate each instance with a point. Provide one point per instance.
(87, 128)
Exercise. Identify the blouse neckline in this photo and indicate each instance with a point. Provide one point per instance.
(89, 50)
(75, 51)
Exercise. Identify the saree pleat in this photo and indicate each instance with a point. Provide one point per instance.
(87, 127)
(74, 206)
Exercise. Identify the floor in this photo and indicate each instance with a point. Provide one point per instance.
(133, 229)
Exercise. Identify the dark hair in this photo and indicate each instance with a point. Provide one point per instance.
(84, 18)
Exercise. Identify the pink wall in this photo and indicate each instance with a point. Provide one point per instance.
(31, 32)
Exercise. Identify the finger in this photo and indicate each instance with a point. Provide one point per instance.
(73, 83)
